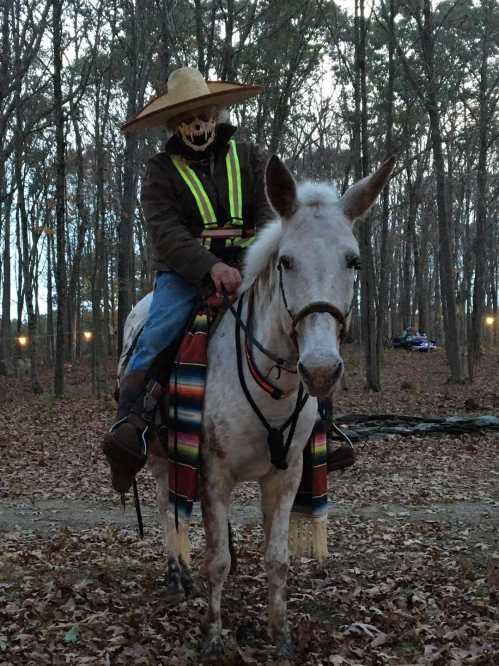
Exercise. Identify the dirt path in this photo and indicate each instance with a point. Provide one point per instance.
(43, 516)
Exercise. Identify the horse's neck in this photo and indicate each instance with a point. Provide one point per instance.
(267, 329)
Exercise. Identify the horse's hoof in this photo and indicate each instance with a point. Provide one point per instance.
(175, 591)
(212, 648)
(174, 595)
(174, 598)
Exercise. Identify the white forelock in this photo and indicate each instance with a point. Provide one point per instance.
(259, 254)
(318, 195)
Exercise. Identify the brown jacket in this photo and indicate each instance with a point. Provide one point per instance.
(173, 220)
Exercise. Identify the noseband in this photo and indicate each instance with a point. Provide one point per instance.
(315, 306)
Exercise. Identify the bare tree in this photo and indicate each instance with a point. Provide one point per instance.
(488, 98)
(60, 171)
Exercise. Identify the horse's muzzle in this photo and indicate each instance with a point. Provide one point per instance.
(320, 377)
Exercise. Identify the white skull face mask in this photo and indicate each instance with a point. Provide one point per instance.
(199, 132)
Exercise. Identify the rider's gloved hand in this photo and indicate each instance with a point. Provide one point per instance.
(225, 275)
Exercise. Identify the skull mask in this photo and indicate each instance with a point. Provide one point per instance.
(198, 132)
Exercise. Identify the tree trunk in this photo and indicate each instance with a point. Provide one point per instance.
(28, 262)
(125, 229)
(228, 70)
(6, 332)
(405, 301)
(480, 242)
(384, 260)
(446, 264)
(50, 297)
(135, 97)
(368, 290)
(83, 214)
(60, 170)
(98, 268)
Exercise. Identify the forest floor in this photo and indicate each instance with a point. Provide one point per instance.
(413, 572)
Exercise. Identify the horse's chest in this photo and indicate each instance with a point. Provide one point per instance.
(235, 436)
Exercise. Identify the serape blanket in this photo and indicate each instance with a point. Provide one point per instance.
(186, 397)
(308, 534)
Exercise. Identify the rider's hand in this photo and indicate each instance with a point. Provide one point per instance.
(225, 275)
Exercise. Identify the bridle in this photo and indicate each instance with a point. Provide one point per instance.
(315, 306)
(275, 436)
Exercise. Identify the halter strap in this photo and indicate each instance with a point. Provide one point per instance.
(321, 306)
(315, 306)
(267, 386)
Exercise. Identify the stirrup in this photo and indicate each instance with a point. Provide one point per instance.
(143, 432)
(347, 456)
(144, 439)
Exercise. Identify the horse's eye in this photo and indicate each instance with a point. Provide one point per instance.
(286, 262)
(353, 261)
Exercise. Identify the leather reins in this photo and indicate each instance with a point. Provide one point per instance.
(247, 328)
(275, 436)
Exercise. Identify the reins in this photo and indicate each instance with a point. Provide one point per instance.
(275, 436)
(280, 362)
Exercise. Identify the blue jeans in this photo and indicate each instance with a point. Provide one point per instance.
(173, 301)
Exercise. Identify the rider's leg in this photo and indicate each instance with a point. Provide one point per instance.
(124, 446)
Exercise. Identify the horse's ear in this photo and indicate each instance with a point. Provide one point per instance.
(281, 188)
(360, 197)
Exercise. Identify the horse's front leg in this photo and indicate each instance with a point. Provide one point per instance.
(278, 493)
(216, 488)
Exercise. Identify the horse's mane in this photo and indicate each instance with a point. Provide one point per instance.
(259, 256)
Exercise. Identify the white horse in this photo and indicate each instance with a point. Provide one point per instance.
(299, 275)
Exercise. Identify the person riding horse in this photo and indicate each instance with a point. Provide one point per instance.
(205, 186)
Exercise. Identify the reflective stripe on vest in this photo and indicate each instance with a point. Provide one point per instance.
(198, 192)
(234, 182)
(201, 197)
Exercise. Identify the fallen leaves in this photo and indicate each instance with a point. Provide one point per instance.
(412, 578)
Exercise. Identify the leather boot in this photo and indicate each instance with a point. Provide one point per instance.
(125, 444)
(338, 457)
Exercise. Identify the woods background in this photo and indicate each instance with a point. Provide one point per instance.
(346, 85)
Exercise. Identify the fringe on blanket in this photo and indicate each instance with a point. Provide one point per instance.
(308, 521)
(178, 539)
(308, 537)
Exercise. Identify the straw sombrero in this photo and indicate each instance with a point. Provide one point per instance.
(187, 91)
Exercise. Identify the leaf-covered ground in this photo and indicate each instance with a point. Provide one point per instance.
(413, 575)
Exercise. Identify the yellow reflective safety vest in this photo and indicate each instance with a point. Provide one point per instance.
(234, 229)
